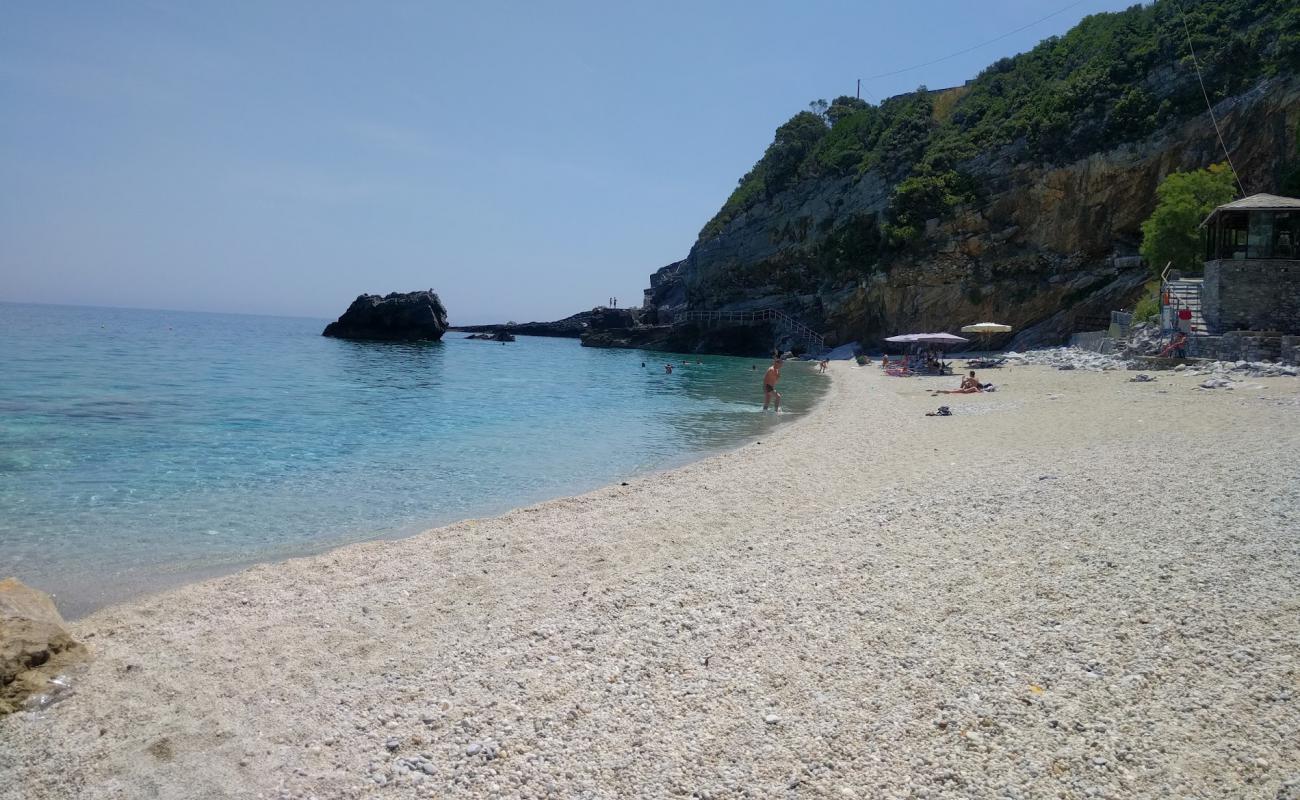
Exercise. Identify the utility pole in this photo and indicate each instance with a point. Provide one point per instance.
(859, 94)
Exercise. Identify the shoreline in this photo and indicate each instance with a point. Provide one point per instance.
(864, 602)
(252, 474)
(161, 583)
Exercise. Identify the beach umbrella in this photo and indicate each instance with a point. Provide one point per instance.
(987, 327)
(939, 338)
(906, 338)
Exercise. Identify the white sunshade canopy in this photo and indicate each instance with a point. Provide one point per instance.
(926, 338)
(987, 327)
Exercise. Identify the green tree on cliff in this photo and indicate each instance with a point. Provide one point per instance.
(1183, 200)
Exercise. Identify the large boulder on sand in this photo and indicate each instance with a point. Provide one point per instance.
(397, 317)
(34, 644)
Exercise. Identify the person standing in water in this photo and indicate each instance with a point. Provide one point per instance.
(770, 378)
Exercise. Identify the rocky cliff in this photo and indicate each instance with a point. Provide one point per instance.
(1048, 249)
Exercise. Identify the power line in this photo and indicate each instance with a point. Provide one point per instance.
(977, 46)
(1206, 95)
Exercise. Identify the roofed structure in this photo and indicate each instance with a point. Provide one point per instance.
(1257, 202)
(1252, 266)
(1262, 226)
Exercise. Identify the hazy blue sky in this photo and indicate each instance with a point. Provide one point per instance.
(527, 160)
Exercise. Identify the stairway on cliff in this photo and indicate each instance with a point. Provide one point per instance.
(1186, 293)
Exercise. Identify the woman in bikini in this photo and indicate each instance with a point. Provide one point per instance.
(969, 385)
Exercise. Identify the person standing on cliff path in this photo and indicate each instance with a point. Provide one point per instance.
(770, 379)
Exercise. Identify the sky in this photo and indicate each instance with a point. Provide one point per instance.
(525, 160)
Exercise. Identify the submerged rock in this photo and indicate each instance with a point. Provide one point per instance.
(34, 644)
(397, 317)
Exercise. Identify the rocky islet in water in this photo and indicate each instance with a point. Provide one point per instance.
(396, 317)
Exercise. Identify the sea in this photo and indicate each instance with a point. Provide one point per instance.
(144, 449)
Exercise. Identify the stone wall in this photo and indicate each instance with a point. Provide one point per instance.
(1246, 347)
(1253, 295)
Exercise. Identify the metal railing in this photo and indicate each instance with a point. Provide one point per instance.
(1176, 297)
(800, 332)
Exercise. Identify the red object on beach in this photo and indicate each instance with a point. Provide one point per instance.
(1184, 313)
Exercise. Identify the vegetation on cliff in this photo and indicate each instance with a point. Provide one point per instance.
(1171, 235)
(1113, 78)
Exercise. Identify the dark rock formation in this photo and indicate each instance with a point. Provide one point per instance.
(574, 327)
(397, 317)
(602, 319)
(754, 340)
(567, 328)
(34, 645)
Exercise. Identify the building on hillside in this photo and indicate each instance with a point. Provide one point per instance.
(1252, 265)
(1246, 304)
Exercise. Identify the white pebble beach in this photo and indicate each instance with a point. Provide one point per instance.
(1074, 587)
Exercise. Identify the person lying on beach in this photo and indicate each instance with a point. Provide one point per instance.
(969, 385)
(770, 378)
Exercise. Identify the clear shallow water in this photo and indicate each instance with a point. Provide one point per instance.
(141, 448)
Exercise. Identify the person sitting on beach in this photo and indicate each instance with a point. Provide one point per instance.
(969, 385)
(1177, 348)
(770, 378)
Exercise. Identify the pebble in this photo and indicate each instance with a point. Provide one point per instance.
(890, 618)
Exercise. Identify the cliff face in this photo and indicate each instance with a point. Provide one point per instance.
(1048, 249)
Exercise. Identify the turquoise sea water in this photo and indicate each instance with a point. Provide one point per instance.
(139, 449)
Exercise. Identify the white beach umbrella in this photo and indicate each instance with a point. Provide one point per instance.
(987, 327)
(940, 338)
